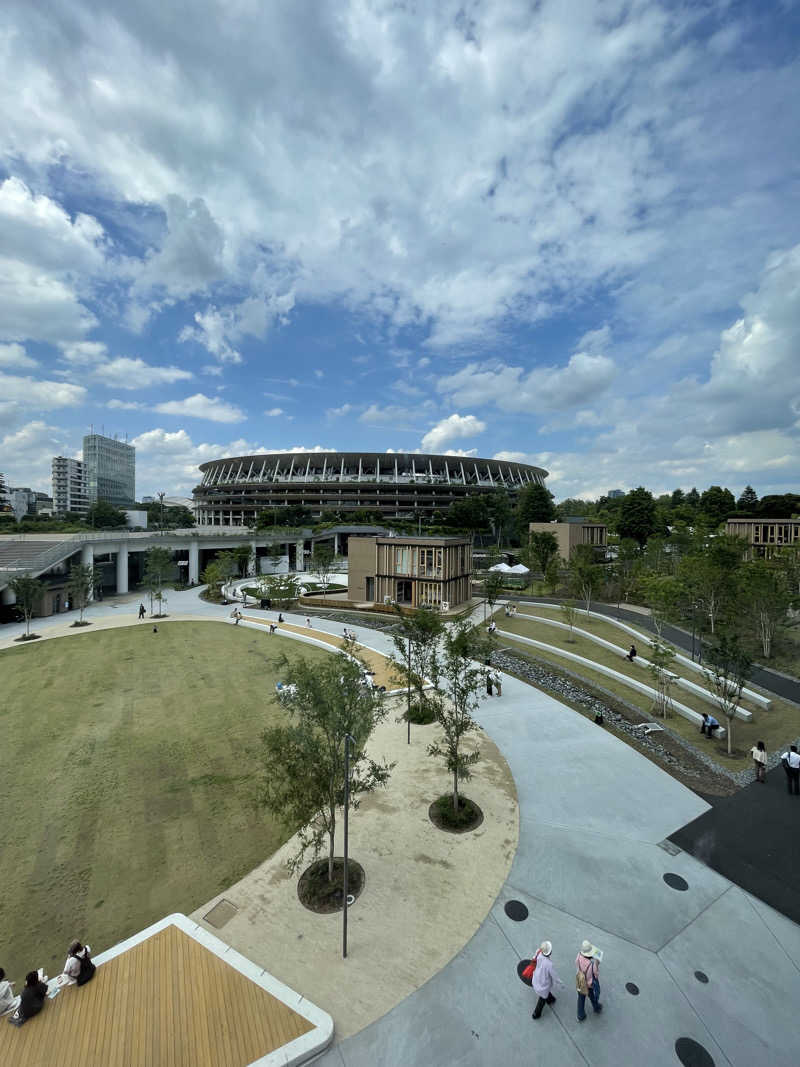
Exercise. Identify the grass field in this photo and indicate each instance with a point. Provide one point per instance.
(127, 781)
(775, 727)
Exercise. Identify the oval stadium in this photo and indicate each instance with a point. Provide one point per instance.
(234, 491)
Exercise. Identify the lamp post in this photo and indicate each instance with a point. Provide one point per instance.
(161, 513)
(348, 740)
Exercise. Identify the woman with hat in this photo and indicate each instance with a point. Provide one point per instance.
(587, 980)
(543, 978)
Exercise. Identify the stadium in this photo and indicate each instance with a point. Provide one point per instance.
(234, 491)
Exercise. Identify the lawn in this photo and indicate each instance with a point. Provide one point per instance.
(775, 727)
(127, 780)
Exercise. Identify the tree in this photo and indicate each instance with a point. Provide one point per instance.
(104, 516)
(213, 577)
(171, 517)
(764, 598)
(748, 501)
(302, 762)
(28, 592)
(552, 576)
(243, 554)
(568, 613)
(717, 504)
(492, 588)
(157, 565)
(80, 586)
(534, 504)
(663, 595)
(637, 516)
(661, 659)
(542, 547)
(499, 510)
(462, 683)
(468, 513)
(324, 562)
(728, 668)
(281, 589)
(416, 659)
(585, 576)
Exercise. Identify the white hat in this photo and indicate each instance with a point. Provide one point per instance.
(588, 949)
(545, 948)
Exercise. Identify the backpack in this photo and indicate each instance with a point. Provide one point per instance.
(86, 973)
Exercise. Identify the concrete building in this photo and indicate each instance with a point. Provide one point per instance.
(615, 494)
(575, 531)
(398, 485)
(110, 470)
(411, 571)
(70, 486)
(765, 537)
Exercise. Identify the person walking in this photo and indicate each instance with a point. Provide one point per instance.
(791, 764)
(587, 979)
(544, 977)
(142, 612)
(498, 681)
(759, 754)
(488, 683)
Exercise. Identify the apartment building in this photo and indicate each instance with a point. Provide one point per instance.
(70, 486)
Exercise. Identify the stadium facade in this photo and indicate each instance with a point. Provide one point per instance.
(234, 491)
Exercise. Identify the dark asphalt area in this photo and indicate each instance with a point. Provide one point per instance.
(779, 684)
(751, 839)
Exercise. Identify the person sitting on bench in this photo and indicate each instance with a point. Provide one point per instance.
(8, 1001)
(79, 969)
(32, 997)
(709, 725)
(632, 654)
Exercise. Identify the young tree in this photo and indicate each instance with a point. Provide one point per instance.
(157, 565)
(281, 589)
(568, 613)
(492, 588)
(228, 565)
(302, 762)
(463, 681)
(764, 597)
(28, 592)
(552, 576)
(80, 587)
(324, 562)
(585, 576)
(662, 595)
(728, 668)
(416, 659)
(662, 657)
(542, 547)
(637, 516)
(213, 577)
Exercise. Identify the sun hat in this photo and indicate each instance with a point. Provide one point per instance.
(545, 948)
(587, 949)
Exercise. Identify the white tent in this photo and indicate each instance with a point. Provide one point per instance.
(520, 568)
(503, 568)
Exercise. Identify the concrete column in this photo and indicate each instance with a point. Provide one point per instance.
(194, 563)
(7, 596)
(300, 560)
(336, 544)
(122, 569)
(252, 565)
(87, 560)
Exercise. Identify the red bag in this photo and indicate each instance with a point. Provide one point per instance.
(527, 974)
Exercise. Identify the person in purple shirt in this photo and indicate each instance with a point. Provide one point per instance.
(544, 977)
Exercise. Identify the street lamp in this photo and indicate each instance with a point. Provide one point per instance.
(348, 741)
(161, 519)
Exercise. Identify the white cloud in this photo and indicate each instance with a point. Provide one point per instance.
(190, 256)
(126, 405)
(119, 372)
(450, 429)
(28, 452)
(14, 355)
(35, 393)
(345, 409)
(201, 406)
(273, 411)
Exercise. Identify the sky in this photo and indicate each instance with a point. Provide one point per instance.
(561, 233)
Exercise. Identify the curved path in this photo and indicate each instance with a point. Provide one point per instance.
(591, 860)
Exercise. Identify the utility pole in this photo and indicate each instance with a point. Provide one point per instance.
(348, 740)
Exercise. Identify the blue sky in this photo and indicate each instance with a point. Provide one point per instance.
(563, 233)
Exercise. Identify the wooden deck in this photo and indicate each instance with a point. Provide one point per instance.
(168, 1001)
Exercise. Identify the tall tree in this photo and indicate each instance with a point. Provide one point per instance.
(104, 516)
(717, 504)
(542, 547)
(492, 588)
(500, 512)
(28, 592)
(462, 682)
(243, 554)
(637, 516)
(727, 670)
(585, 576)
(302, 762)
(468, 513)
(748, 501)
(764, 598)
(662, 657)
(324, 562)
(157, 567)
(80, 586)
(534, 504)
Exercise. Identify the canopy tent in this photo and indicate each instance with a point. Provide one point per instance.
(503, 568)
(520, 568)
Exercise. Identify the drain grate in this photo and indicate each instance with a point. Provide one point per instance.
(668, 846)
(222, 912)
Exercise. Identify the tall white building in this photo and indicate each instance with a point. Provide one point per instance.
(70, 487)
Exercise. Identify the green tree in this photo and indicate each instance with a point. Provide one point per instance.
(157, 567)
(764, 599)
(324, 562)
(104, 516)
(663, 595)
(462, 682)
(492, 588)
(662, 657)
(498, 506)
(568, 612)
(748, 501)
(542, 547)
(416, 639)
(717, 504)
(585, 576)
(80, 586)
(28, 592)
(637, 516)
(243, 554)
(302, 762)
(534, 504)
(213, 577)
(281, 589)
(468, 513)
(727, 670)
(552, 576)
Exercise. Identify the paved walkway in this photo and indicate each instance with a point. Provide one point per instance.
(591, 860)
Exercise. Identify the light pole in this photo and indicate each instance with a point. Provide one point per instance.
(161, 519)
(348, 740)
(408, 713)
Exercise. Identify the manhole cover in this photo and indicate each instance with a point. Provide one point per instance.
(222, 912)
(632, 988)
(692, 1054)
(674, 881)
(701, 976)
(516, 910)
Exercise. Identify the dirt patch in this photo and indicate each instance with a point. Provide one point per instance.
(317, 893)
